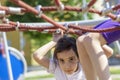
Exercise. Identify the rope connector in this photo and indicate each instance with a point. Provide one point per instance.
(38, 8)
(84, 8)
(106, 11)
(5, 20)
(67, 27)
(58, 30)
(76, 23)
(15, 10)
(17, 25)
(2, 13)
(61, 7)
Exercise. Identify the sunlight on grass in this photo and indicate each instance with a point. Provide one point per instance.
(115, 71)
(112, 70)
(39, 77)
(116, 79)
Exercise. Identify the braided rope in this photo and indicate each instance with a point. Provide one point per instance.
(70, 8)
(27, 8)
(67, 8)
(73, 29)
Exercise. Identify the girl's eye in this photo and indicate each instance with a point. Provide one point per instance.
(61, 61)
(71, 59)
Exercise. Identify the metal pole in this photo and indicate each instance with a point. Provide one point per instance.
(107, 4)
(85, 14)
(81, 23)
(22, 43)
(7, 57)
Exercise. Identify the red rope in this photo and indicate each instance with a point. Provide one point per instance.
(57, 2)
(53, 8)
(116, 7)
(91, 3)
(31, 9)
(68, 8)
(71, 28)
(94, 30)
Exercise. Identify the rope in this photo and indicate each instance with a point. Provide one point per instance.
(68, 8)
(59, 5)
(54, 8)
(103, 12)
(70, 28)
(73, 29)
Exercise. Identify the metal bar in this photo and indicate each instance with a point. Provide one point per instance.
(7, 57)
(81, 23)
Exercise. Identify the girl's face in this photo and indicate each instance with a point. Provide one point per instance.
(68, 61)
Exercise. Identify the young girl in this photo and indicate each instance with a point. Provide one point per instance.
(65, 63)
(91, 53)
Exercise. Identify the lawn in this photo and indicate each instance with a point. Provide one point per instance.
(112, 70)
(39, 77)
(115, 70)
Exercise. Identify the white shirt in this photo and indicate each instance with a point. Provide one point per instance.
(60, 75)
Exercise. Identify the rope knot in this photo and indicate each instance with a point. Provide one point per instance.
(38, 8)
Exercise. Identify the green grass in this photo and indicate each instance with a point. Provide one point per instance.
(39, 77)
(115, 70)
(117, 79)
(112, 70)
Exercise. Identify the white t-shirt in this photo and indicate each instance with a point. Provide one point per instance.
(60, 75)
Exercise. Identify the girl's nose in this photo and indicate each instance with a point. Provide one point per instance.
(67, 65)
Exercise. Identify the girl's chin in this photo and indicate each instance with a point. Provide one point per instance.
(70, 72)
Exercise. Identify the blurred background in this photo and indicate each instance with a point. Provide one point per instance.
(27, 42)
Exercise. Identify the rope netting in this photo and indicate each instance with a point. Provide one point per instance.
(38, 11)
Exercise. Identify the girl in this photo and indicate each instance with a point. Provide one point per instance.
(65, 63)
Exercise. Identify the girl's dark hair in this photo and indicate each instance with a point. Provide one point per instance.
(65, 43)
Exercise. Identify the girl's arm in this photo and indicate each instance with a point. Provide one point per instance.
(39, 54)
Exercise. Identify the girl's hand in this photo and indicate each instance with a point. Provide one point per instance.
(57, 35)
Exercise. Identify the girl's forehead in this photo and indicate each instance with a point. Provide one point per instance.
(66, 54)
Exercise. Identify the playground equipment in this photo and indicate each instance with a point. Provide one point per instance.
(52, 25)
(12, 62)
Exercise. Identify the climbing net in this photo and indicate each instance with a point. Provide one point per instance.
(8, 25)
